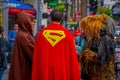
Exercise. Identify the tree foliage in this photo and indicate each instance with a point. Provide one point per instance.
(104, 10)
(60, 6)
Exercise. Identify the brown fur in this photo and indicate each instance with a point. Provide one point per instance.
(88, 58)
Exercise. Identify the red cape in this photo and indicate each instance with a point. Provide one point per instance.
(55, 55)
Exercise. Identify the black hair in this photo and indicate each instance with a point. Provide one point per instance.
(56, 15)
(1, 29)
(42, 26)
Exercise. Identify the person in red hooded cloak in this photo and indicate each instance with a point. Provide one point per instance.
(55, 55)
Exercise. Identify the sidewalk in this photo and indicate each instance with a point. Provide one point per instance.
(5, 75)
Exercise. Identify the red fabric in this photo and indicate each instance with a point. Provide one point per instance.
(77, 33)
(14, 11)
(58, 62)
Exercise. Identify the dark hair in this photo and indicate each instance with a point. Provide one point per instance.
(42, 26)
(56, 15)
(1, 29)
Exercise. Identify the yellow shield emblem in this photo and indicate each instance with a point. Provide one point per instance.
(54, 36)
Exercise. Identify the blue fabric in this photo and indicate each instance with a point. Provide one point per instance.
(72, 30)
(76, 41)
(19, 4)
(6, 48)
(79, 43)
(11, 37)
(78, 48)
(5, 61)
(1, 74)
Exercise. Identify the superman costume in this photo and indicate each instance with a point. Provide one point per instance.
(54, 55)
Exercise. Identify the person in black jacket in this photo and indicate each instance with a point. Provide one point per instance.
(4, 47)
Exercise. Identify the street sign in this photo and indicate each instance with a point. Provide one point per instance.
(72, 23)
(52, 2)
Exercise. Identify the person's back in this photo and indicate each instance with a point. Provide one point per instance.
(21, 60)
(54, 53)
(4, 47)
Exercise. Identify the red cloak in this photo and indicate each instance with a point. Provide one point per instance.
(54, 55)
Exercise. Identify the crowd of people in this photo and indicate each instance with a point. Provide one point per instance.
(56, 53)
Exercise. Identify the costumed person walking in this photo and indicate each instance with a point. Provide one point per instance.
(55, 56)
(4, 47)
(21, 60)
(97, 59)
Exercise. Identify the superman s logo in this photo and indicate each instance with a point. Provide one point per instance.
(54, 36)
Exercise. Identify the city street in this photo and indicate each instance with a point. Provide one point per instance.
(5, 76)
(94, 25)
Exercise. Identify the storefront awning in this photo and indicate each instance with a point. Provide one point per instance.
(16, 6)
(16, 10)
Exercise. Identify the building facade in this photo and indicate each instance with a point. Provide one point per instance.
(109, 3)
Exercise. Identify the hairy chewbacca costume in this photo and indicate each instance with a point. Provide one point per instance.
(97, 59)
